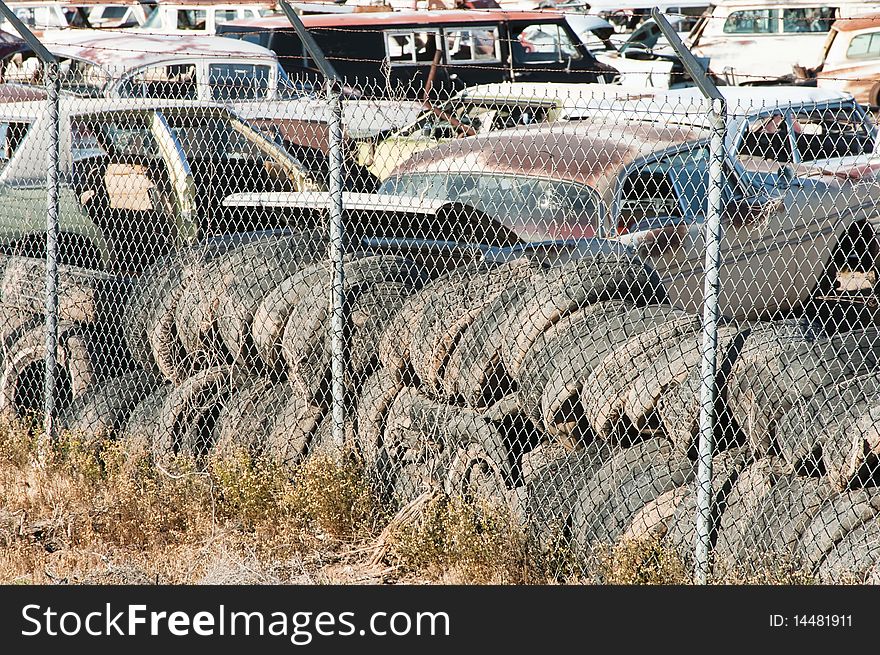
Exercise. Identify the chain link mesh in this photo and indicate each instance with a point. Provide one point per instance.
(523, 284)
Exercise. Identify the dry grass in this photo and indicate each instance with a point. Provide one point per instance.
(641, 562)
(90, 512)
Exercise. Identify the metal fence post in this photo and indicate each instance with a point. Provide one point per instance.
(713, 236)
(51, 79)
(708, 386)
(337, 321)
(52, 181)
(334, 186)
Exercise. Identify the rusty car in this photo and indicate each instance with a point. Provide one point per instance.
(485, 108)
(851, 59)
(242, 75)
(789, 229)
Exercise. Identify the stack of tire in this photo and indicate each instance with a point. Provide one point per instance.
(795, 462)
(233, 346)
(567, 393)
(89, 348)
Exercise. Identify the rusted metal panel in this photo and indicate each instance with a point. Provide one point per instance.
(585, 152)
(127, 51)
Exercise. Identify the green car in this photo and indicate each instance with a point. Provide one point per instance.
(139, 178)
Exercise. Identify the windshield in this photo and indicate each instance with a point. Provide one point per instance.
(39, 18)
(289, 89)
(534, 209)
(467, 118)
(223, 155)
(238, 81)
(77, 76)
(700, 26)
(804, 136)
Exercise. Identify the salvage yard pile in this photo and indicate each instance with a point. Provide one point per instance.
(567, 395)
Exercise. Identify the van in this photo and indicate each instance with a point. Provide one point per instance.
(761, 41)
(395, 54)
(48, 16)
(203, 16)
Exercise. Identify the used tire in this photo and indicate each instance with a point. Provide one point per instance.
(559, 291)
(597, 497)
(79, 361)
(84, 295)
(805, 428)
(103, 411)
(246, 418)
(607, 387)
(552, 491)
(538, 364)
(853, 558)
(681, 533)
(377, 395)
(742, 507)
(186, 422)
(293, 428)
(267, 267)
(561, 408)
(453, 313)
(274, 310)
(474, 372)
(837, 517)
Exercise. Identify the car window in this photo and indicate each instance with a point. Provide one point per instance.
(11, 136)
(82, 77)
(40, 17)
(458, 118)
(767, 138)
(407, 47)
(173, 81)
(238, 81)
(191, 19)
(675, 186)
(472, 45)
(864, 46)
(828, 133)
(224, 15)
(543, 43)
(752, 21)
(808, 19)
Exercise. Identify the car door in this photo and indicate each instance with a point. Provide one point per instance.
(660, 209)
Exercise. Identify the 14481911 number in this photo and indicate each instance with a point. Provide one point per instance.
(823, 620)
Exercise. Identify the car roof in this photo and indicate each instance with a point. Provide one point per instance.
(688, 105)
(783, 3)
(126, 50)
(30, 110)
(186, 3)
(555, 150)
(855, 24)
(391, 18)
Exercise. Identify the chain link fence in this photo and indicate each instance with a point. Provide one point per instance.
(513, 300)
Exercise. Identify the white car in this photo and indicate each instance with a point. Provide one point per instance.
(244, 75)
